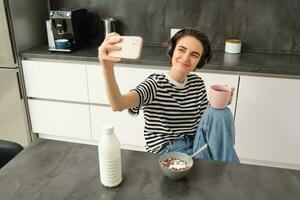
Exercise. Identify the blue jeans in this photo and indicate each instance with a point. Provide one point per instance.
(216, 129)
(184, 145)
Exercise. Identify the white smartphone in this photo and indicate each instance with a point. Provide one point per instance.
(131, 47)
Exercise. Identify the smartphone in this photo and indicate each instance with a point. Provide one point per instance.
(131, 47)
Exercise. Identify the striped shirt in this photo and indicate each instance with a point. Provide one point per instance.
(171, 110)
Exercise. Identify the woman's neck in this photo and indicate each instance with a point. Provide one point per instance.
(179, 77)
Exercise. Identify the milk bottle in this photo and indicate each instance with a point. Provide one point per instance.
(109, 158)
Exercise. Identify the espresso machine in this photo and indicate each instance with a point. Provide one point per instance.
(67, 29)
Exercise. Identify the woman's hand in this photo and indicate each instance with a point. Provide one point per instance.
(232, 94)
(107, 46)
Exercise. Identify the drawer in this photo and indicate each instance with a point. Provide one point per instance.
(60, 119)
(51, 80)
(127, 78)
(129, 129)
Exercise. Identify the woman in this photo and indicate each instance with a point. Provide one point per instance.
(172, 102)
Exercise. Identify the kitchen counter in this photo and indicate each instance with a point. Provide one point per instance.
(246, 63)
(60, 170)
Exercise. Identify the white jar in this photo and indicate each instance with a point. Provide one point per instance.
(233, 46)
(109, 158)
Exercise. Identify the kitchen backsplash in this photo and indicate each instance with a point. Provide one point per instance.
(262, 25)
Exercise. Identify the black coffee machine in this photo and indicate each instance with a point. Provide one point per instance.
(67, 29)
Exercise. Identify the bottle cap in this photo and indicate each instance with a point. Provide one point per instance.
(107, 128)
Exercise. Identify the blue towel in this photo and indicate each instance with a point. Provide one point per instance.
(216, 128)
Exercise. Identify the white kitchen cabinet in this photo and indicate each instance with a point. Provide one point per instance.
(129, 129)
(60, 119)
(52, 80)
(267, 120)
(266, 110)
(229, 79)
(128, 77)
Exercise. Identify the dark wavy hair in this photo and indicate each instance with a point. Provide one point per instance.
(207, 53)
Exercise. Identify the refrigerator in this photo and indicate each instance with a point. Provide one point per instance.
(22, 26)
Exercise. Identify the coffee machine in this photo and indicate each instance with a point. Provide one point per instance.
(67, 29)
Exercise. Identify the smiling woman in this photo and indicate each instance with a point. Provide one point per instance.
(200, 38)
(173, 102)
(185, 58)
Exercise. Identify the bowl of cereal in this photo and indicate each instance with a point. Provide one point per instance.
(175, 165)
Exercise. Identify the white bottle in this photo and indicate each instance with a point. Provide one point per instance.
(109, 158)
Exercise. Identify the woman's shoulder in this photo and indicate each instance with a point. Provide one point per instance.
(194, 77)
(154, 79)
(157, 76)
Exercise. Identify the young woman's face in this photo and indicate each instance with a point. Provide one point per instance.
(187, 54)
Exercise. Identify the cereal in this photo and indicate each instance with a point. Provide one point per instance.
(175, 164)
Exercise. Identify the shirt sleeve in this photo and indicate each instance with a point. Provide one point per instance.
(204, 101)
(147, 92)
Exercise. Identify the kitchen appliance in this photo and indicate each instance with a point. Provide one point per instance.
(67, 24)
(109, 25)
(21, 27)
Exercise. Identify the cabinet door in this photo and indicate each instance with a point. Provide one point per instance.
(6, 53)
(127, 78)
(129, 129)
(13, 121)
(51, 80)
(60, 119)
(267, 119)
(212, 79)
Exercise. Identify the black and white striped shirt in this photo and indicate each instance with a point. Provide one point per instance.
(171, 110)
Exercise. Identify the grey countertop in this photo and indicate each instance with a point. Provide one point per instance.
(65, 171)
(246, 63)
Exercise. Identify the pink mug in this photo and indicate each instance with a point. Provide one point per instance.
(219, 96)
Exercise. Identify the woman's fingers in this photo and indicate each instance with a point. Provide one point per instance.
(103, 53)
(109, 58)
(105, 48)
(231, 95)
(112, 38)
(110, 48)
(108, 45)
(232, 91)
(111, 34)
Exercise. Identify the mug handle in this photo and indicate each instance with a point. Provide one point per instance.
(68, 44)
(231, 90)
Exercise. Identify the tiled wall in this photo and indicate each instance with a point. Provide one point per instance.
(262, 25)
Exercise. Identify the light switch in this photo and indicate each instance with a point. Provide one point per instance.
(174, 31)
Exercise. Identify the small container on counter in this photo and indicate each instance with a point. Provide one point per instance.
(109, 158)
(233, 46)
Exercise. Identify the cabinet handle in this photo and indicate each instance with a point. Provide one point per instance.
(19, 85)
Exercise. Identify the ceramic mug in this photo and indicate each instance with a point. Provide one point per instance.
(62, 44)
(219, 96)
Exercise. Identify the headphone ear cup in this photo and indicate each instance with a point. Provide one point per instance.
(172, 43)
(169, 52)
(201, 63)
(171, 47)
